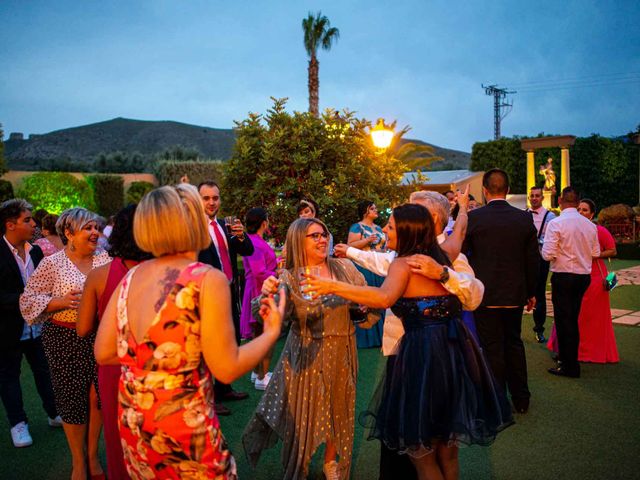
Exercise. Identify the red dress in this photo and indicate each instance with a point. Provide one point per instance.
(168, 425)
(597, 340)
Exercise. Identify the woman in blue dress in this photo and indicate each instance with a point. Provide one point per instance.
(366, 235)
(439, 392)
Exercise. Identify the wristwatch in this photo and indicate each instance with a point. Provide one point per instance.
(444, 276)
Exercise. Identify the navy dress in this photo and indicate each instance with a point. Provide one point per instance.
(439, 386)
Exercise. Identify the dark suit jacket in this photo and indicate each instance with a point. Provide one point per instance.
(236, 247)
(11, 286)
(502, 247)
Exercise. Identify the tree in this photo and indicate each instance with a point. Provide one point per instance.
(318, 32)
(3, 165)
(280, 158)
(413, 155)
(56, 191)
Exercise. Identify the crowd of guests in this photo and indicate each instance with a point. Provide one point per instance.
(141, 332)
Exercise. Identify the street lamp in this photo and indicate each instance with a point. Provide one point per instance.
(381, 135)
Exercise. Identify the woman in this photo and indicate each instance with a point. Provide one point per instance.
(310, 399)
(366, 235)
(439, 391)
(597, 340)
(50, 242)
(257, 267)
(100, 285)
(169, 324)
(52, 295)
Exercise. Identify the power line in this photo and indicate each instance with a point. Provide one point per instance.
(581, 79)
(501, 107)
(544, 88)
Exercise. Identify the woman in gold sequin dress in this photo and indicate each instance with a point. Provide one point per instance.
(310, 399)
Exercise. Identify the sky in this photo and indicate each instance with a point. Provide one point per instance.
(575, 65)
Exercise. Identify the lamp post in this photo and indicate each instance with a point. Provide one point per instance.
(381, 135)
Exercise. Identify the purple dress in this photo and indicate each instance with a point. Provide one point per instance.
(257, 267)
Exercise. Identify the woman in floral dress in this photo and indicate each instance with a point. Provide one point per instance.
(169, 325)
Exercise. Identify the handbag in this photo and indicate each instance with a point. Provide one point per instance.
(610, 281)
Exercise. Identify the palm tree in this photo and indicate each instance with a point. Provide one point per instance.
(317, 32)
(413, 155)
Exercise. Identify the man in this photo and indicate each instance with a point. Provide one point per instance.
(503, 251)
(541, 218)
(18, 260)
(570, 244)
(222, 254)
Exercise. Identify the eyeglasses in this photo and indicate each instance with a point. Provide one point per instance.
(316, 236)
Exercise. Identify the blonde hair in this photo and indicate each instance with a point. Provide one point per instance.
(73, 220)
(171, 220)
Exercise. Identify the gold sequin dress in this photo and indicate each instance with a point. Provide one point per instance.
(311, 395)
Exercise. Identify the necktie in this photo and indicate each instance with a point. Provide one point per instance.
(223, 252)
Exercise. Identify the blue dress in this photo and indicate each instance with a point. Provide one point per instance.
(370, 337)
(439, 386)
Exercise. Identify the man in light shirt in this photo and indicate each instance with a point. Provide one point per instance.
(570, 244)
(541, 218)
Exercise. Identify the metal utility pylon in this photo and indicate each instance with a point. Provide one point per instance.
(501, 107)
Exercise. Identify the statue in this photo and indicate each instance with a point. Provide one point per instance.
(549, 176)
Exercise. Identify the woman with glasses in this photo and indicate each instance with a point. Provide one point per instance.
(366, 235)
(310, 399)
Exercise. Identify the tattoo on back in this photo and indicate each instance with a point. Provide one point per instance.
(166, 282)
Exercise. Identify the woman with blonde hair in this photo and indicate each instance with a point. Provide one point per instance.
(52, 295)
(310, 399)
(169, 325)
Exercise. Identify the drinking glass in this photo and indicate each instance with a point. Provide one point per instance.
(308, 270)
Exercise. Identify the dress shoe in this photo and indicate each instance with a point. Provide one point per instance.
(563, 372)
(520, 406)
(540, 338)
(221, 410)
(233, 395)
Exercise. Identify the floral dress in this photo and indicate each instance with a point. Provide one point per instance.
(168, 426)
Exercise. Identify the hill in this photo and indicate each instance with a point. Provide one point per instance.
(146, 138)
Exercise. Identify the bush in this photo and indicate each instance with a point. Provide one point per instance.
(137, 190)
(108, 193)
(170, 172)
(56, 191)
(6, 190)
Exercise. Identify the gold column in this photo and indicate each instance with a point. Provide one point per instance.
(531, 172)
(565, 169)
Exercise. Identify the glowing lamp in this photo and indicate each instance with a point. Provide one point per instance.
(381, 135)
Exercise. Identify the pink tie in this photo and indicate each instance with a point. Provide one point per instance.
(223, 252)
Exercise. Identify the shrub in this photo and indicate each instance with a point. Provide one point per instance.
(108, 193)
(6, 190)
(56, 191)
(137, 190)
(170, 172)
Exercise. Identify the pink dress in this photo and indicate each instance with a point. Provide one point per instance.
(597, 339)
(258, 267)
(48, 248)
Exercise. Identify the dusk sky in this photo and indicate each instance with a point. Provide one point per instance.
(574, 64)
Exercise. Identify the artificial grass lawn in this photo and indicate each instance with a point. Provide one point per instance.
(585, 428)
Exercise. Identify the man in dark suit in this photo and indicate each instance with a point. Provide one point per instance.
(502, 247)
(222, 254)
(18, 260)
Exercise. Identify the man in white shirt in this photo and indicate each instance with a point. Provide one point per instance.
(541, 218)
(570, 244)
(18, 260)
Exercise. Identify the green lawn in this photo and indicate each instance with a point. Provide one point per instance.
(576, 429)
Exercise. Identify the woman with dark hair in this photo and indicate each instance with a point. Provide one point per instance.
(597, 339)
(439, 392)
(101, 283)
(50, 242)
(366, 235)
(257, 267)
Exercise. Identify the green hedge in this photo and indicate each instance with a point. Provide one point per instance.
(56, 191)
(170, 172)
(108, 193)
(137, 190)
(6, 190)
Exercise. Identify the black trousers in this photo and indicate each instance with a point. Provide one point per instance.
(499, 331)
(540, 310)
(10, 389)
(220, 389)
(567, 290)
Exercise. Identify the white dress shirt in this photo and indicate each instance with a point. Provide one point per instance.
(571, 243)
(538, 216)
(26, 267)
(214, 224)
(462, 280)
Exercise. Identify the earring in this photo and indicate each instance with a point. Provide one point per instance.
(72, 247)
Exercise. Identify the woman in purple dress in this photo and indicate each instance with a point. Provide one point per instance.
(258, 267)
